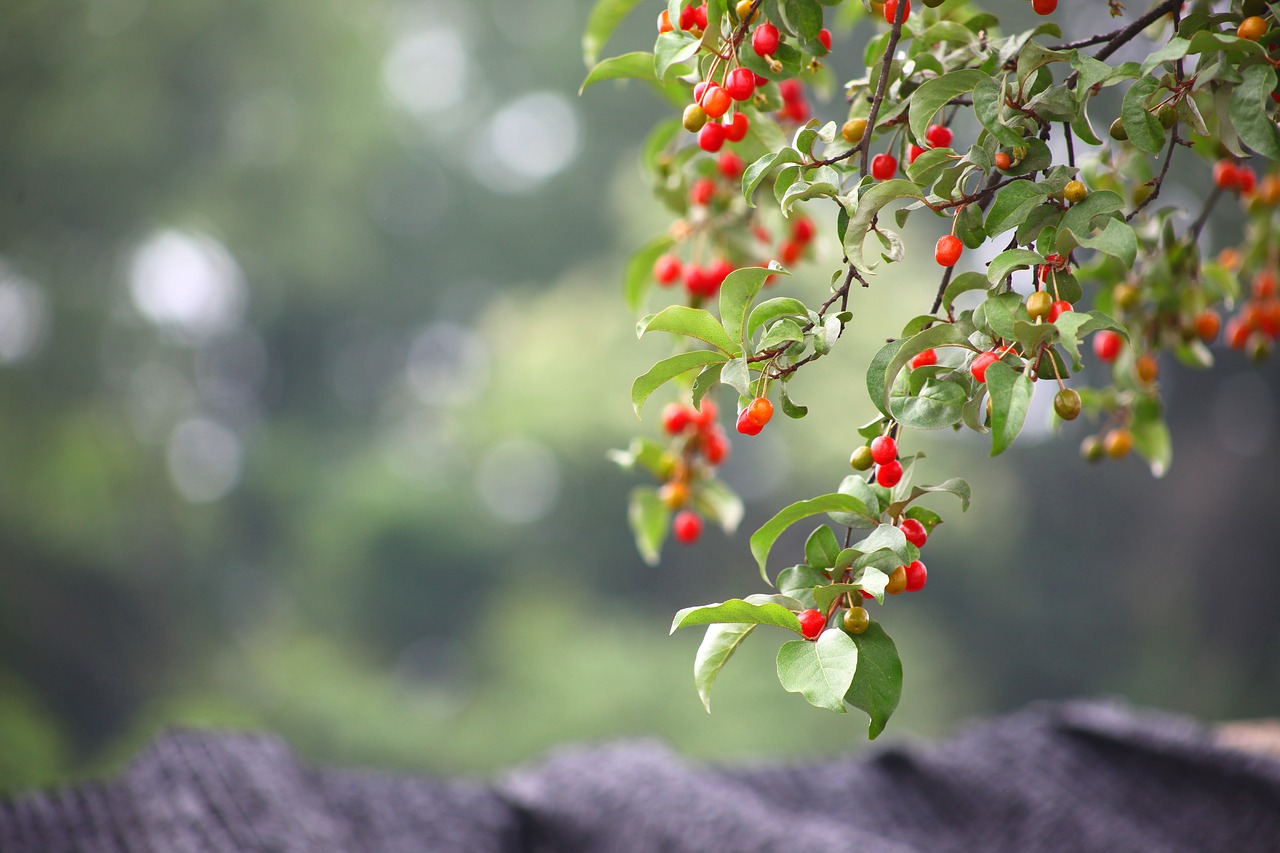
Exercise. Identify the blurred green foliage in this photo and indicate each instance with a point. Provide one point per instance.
(313, 347)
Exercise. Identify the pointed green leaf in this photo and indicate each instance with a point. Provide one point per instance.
(649, 518)
(821, 671)
(719, 644)
(1010, 396)
(1142, 127)
(941, 335)
(1010, 260)
(601, 23)
(1012, 204)
(936, 93)
(868, 207)
(736, 295)
(636, 66)
(774, 610)
(762, 540)
(771, 309)
(668, 369)
(690, 322)
(821, 548)
(877, 684)
(1251, 110)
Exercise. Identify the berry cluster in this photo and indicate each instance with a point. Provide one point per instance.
(881, 452)
(1257, 325)
(698, 444)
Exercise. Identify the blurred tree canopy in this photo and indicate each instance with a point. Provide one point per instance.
(310, 352)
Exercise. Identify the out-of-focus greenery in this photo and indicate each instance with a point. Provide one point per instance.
(312, 349)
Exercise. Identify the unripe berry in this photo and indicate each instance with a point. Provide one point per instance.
(675, 418)
(917, 575)
(687, 526)
(1075, 192)
(939, 136)
(924, 359)
(948, 249)
(891, 10)
(1039, 304)
(853, 130)
(861, 459)
(740, 83)
(1117, 131)
(1091, 449)
(856, 620)
(715, 101)
(883, 167)
(711, 137)
(1126, 296)
(765, 40)
(746, 426)
(736, 130)
(1002, 160)
(674, 494)
(1066, 403)
(897, 581)
(980, 364)
(889, 474)
(1117, 443)
(744, 11)
(694, 118)
(914, 531)
(1057, 309)
(760, 411)
(884, 449)
(1167, 115)
(1106, 345)
(666, 269)
(811, 623)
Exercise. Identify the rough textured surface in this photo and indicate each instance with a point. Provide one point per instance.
(1071, 776)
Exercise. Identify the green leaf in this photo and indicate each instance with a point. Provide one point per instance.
(1143, 128)
(601, 23)
(718, 503)
(963, 283)
(649, 519)
(762, 540)
(1250, 110)
(856, 487)
(1116, 240)
(869, 205)
(955, 486)
(821, 548)
(783, 331)
(668, 369)
(936, 93)
(690, 322)
(925, 516)
(639, 275)
(1079, 218)
(672, 50)
(877, 371)
(937, 405)
(1010, 260)
(941, 335)
(774, 610)
(756, 172)
(804, 18)
(736, 295)
(1010, 396)
(737, 375)
(719, 644)
(799, 581)
(821, 671)
(646, 453)
(1012, 204)
(888, 537)
(1151, 436)
(986, 106)
(638, 65)
(771, 309)
(877, 683)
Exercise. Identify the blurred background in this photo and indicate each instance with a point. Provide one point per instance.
(311, 350)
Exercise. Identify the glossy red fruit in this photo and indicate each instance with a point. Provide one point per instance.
(705, 416)
(802, 231)
(1248, 181)
(914, 531)
(760, 411)
(688, 18)
(1107, 344)
(980, 364)
(913, 151)
(790, 252)
(711, 137)
(883, 167)
(687, 526)
(1264, 285)
(675, 418)
(824, 38)
(883, 449)
(1208, 325)
(730, 165)
(811, 623)
(695, 278)
(939, 136)
(719, 271)
(1226, 175)
(664, 22)
(926, 358)
(700, 16)
(746, 426)
(1002, 160)
(667, 269)
(791, 90)
(891, 10)
(765, 40)
(736, 130)
(948, 250)
(1044, 7)
(917, 575)
(1058, 308)
(889, 475)
(715, 101)
(740, 83)
(702, 191)
(715, 446)
(797, 111)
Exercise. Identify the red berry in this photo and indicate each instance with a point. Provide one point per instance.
(883, 167)
(824, 38)
(1044, 7)
(802, 231)
(730, 165)
(700, 16)
(917, 574)
(704, 417)
(1058, 308)
(980, 365)
(811, 623)
(889, 474)
(792, 91)
(687, 526)
(675, 418)
(884, 449)
(698, 281)
(797, 111)
(891, 10)
(939, 136)
(666, 269)
(1248, 181)
(914, 531)
(715, 101)
(1264, 284)
(765, 39)
(719, 271)
(1226, 174)
(715, 446)
(746, 426)
(790, 252)
(913, 151)
(711, 137)
(702, 191)
(926, 358)
(1237, 333)
(1107, 344)
(948, 250)
(736, 130)
(740, 83)
(1002, 160)
(760, 411)
(688, 18)
(1208, 324)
